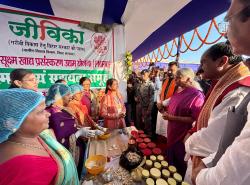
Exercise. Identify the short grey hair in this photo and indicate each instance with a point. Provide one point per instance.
(186, 72)
(189, 73)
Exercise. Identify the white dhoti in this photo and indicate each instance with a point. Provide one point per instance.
(161, 125)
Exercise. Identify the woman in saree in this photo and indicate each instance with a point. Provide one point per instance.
(64, 123)
(112, 107)
(182, 110)
(80, 111)
(89, 98)
(29, 153)
(23, 78)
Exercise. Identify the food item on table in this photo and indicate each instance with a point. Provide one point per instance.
(137, 174)
(131, 141)
(152, 158)
(161, 182)
(145, 174)
(171, 181)
(184, 183)
(149, 164)
(140, 132)
(165, 173)
(146, 152)
(157, 151)
(104, 136)
(155, 173)
(172, 169)
(147, 140)
(139, 140)
(92, 164)
(157, 165)
(160, 158)
(123, 176)
(95, 164)
(142, 146)
(133, 157)
(164, 164)
(143, 135)
(177, 177)
(151, 145)
(107, 176)
(134, 134)
(132, 145)
(150, 181)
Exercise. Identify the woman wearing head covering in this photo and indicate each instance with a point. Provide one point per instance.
(64, 123)
(23, 78)
(80, 111)
(29, 153)
(112, 107)
(182, 110)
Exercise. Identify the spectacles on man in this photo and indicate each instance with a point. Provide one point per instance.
(242, 14)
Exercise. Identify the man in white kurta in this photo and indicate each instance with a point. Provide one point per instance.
(233, 167)
(218, 63)
(205, 142)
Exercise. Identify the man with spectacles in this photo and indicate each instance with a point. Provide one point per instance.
(238, 18)
(231, 163)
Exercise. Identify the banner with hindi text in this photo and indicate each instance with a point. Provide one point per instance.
(53, 49)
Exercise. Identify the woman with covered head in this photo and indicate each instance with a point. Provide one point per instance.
(112, 107)
(182, 110)
(64, 123)
(81, 111)
(29, 153)
(23, 78)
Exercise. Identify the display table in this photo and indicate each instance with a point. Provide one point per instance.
(111, 147)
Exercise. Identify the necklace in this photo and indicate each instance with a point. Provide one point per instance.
(27, 145)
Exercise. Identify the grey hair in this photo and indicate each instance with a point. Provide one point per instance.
(189, 73)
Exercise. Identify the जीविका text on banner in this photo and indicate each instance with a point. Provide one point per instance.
(53, 49)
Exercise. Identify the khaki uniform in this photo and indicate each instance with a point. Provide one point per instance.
(145, 97)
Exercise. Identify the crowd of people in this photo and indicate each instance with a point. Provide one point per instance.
(203, 116)
(51, 132)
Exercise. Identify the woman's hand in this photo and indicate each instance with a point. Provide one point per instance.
(98, 132)
(159, 106)
(121, 115)
(167, 116)
(101, 128)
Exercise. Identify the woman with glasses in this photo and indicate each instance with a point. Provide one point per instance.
(89, 98)
(23, 78)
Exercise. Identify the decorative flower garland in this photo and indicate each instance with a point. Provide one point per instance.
(128, 63)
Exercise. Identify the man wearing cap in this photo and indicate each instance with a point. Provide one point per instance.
(145, 101)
